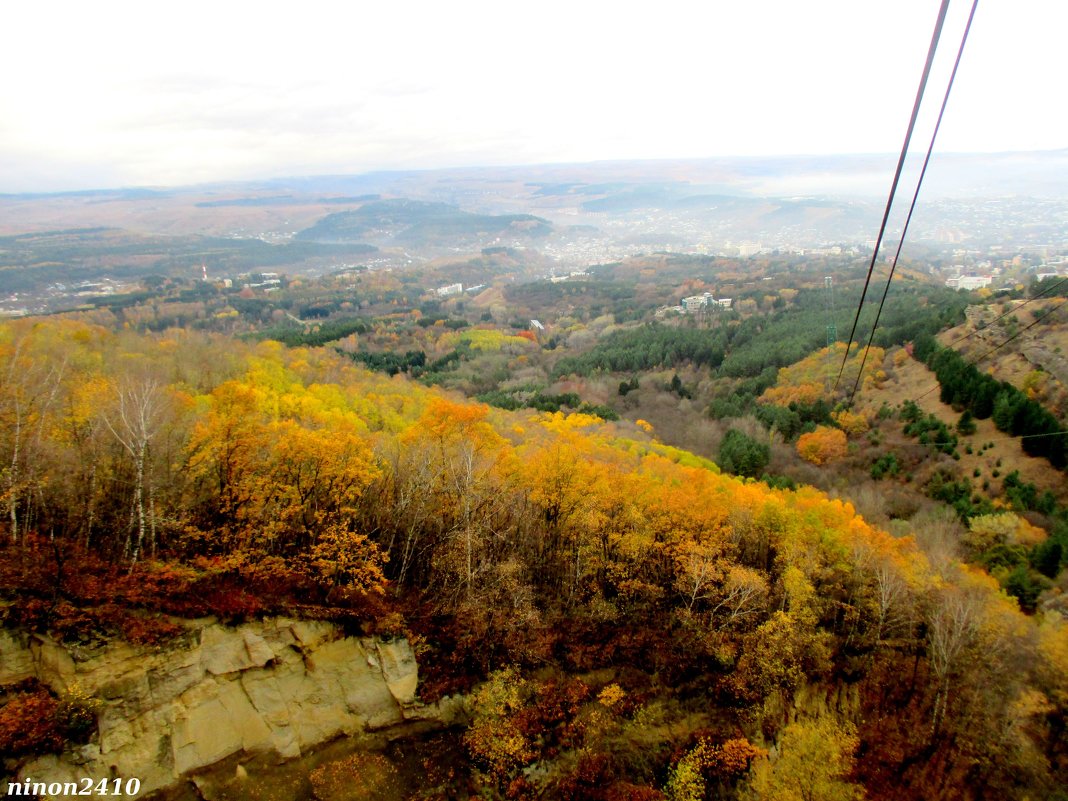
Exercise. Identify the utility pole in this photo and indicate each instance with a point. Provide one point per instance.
(832, 329)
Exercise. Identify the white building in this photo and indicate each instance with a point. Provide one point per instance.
(704, 301)
(697, 302)
(969, 281)
(451, 289)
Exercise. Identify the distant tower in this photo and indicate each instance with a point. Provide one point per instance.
(204, 272)
(832, 329)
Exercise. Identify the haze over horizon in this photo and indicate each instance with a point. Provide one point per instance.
(124, 94)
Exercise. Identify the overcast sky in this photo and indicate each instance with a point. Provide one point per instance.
(108, 94)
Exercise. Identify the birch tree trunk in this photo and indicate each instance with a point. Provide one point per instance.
(134, 422)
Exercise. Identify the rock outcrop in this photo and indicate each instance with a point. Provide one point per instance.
(276, 687)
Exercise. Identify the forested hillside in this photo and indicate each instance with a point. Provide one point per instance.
(633, 623)
(418, 222)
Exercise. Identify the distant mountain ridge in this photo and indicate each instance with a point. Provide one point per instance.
(973, 200)
(417, 221)
(1036, 173)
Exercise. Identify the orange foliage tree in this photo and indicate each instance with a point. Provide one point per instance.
(823, 445)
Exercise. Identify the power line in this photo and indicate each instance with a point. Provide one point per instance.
(832, 328)
(1000, 345)
(915, 197)
(1013, 310)
(1027, 436)
(1022, 331)
(897, 177)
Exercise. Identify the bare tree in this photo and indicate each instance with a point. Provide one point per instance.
(136, 419)
(938, 533)
(410, 511)
(952, 627)
(700, 568)
(744, 592)
(893, 602)
(28, 388)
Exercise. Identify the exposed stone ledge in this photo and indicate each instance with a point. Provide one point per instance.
(272, 688)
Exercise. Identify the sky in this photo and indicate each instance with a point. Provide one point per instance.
(164, 93)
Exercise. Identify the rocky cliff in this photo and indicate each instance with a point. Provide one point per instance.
(275, 687)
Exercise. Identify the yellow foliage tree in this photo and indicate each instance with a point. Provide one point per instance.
(814, 763)
(725, 761)
(493, 739)
(852, 423)
(812, 378)
(343, 558)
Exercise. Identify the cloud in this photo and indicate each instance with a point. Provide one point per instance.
(160, 93)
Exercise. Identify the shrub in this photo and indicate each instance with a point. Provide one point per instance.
(360, 777)
(966, 424)
(29, 725)
(76, 714)
(885, 465)
(1025, 585)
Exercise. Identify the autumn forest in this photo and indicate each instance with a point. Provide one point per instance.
(627, 621)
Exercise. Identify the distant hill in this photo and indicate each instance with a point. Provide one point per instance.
(1007, 199)
(420, 222)
(283, 200)
(30, 262)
